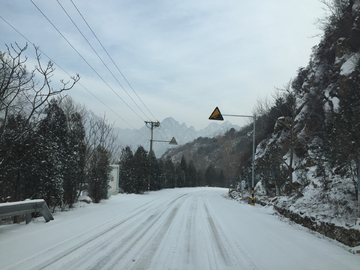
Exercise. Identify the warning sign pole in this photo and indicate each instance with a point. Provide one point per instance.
(216, 115)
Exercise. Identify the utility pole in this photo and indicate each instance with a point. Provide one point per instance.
(151, 125)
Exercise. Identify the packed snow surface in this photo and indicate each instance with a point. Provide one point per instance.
(187, 228)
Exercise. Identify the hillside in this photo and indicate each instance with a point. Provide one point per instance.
(308, 139)
(169, 128)
(222, 151)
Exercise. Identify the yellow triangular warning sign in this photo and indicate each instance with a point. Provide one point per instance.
(216, 115)
(173, 141)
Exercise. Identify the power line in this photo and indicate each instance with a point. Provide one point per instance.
(113, 63)
(70, 76)
(91, 66)
(99, 57)
(112, 59)
(84, 59)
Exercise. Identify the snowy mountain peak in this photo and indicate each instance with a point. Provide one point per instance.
(169, 128)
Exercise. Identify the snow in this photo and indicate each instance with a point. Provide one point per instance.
(349, 66)
(188, 228)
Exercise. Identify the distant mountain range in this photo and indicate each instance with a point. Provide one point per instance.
(169, 128)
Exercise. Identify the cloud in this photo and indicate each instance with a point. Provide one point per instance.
(183, 58)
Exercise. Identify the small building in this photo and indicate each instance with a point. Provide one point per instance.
(114, 180)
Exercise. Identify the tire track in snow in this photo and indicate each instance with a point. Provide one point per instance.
(108, 247)
(190, 228)
(126, 245)
(148, 254)
(220, 241)
(184, 243)
(62, 251)
(216, 237)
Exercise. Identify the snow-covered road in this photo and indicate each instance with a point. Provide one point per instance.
(190, 228)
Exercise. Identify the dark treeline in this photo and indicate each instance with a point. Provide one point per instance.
(135, 172)
(53, 160)
(45, 150)
(51, 149)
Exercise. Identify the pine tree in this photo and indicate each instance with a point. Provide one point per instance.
(161, 173)
(51, 153)
(141, 162)
(342, 146)
(169, 171)
(74, 171)
(192, 174)
(156, 174)
(184, 168)
(200, 178)
(127, 170)
(98, 181)
(180, 177)
(210, 176)
(271, 170)
(13, 172)
(222, 179)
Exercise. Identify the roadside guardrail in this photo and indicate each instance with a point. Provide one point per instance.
(26, 208)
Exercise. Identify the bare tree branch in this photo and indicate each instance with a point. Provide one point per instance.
(20, 93)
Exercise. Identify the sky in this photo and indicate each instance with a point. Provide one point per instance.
(177, 59)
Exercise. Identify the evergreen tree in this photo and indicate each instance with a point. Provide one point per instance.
(222, 179)
(51, 154)
(74, 171)
(141, 174)
(184, 168)
(159, 176)
(272, 172)
(192, 174)
(156, 181)
(169, 171)
(14, 169)
(180, 177)
(127, 170)
(342, 146)
(98, 182)
(200, 178)
(210, 176)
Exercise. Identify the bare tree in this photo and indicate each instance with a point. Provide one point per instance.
(334, 12)
(289, 121)
(20, 92)
(99, 132)
(70, 107)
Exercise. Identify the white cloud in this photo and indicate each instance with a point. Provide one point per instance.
(183, 58)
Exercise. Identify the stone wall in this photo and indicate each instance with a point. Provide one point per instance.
(349, 237)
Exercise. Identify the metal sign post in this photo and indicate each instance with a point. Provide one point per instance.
(359, 190)
(216, 115)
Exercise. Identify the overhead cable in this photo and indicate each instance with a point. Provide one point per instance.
(100, 57)
(85, 59)
(112, 59)
(70, 76)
